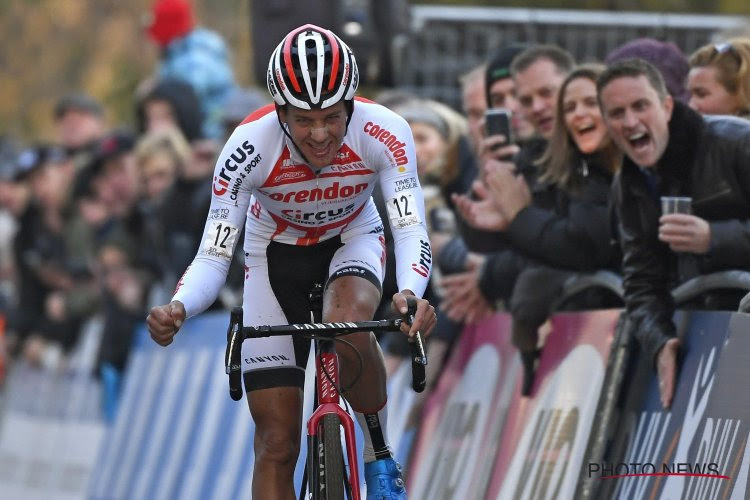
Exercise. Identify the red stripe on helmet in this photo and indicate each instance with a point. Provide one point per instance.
(288, 55)
(335, 65)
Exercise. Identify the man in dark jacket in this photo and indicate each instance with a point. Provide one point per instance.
(672, 151)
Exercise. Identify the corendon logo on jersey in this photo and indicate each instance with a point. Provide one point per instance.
(425, 259)
(235, 160)
(332, 192)
(394, 145)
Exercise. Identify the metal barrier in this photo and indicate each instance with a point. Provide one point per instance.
(446, 41)
(721, 280)
(607, 280)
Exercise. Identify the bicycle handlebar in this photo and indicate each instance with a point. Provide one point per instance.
(236, 334)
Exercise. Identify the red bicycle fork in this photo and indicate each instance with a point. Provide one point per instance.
(328, 394)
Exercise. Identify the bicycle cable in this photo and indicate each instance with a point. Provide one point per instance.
(360, 362)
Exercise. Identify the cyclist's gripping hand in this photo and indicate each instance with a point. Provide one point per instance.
(164, 321)
(424, 318)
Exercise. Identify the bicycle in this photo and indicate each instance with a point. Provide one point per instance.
(325, 465)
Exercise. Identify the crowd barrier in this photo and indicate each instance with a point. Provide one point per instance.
(698, 449)
(480, 439)
(593, 427)
(50, 434)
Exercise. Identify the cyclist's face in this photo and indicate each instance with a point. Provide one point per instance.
(318, 133)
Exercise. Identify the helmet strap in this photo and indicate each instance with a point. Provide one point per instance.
(286, 132)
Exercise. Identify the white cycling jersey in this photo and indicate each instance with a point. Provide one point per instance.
(261, 180)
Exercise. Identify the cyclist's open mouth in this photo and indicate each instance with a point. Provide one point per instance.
(320, 152)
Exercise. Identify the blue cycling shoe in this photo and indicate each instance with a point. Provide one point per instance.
(384, 480)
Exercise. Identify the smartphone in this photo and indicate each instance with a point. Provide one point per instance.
(497, 121)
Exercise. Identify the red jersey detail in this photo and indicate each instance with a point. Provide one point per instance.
(345, 155)
(287, 172)
(258, 113)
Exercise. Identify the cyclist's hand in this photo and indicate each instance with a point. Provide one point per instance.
(424, 318)
(164, 321)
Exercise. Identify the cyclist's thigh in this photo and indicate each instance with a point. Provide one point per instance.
(278, 279)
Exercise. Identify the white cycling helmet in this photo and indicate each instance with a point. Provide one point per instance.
(312, 68)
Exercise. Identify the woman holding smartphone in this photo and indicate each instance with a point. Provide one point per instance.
(574, 235)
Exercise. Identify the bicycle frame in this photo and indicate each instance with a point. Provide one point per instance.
(327, 381)
(326, 370)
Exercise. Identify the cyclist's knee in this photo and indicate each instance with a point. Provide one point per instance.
(277, 446)
(352, 299)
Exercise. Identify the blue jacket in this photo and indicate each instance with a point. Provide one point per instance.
(201, 58)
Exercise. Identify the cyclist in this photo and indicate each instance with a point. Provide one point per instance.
(299, 173)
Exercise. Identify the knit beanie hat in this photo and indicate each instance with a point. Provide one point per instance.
(421, 113)
(665, 56)
(498, 67)
(171, 19)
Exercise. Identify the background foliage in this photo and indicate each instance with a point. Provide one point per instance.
(51, 47)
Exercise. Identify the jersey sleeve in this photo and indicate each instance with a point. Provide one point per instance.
(231, 191)
(405, 208)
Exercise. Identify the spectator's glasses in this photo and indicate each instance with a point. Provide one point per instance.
(724, 48)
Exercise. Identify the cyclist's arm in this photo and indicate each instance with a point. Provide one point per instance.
(230, 197)
(406, 215)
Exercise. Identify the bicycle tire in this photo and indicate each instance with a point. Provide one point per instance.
(330, 461)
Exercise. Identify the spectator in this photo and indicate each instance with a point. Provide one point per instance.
(160, 156)
(437, 132)
(122, 287)
(538, 73)
(11, 206)
(474, 103)
(671, 150)
(665, 56)
(47, 265)
(79, 124)
(195, 55)
(549, 246)
(169, 103)
(501, 90)
(719, 78)
(240, 103)
(452, 256)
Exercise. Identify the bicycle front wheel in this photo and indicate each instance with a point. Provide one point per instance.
(330, 461)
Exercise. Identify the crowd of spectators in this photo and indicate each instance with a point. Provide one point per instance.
(102, 221)
(546, 209)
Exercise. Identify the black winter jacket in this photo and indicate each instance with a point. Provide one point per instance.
(708, 159)
(562, 228)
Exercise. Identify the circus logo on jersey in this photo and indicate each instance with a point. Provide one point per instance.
(237, 158)
(223, 184)
(315, 218)
(425, 259)
(395, 146)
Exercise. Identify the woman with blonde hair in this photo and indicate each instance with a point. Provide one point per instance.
(719, 78)
(161, 155)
